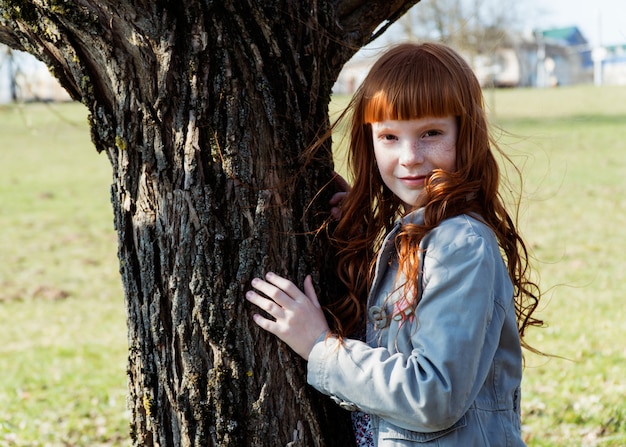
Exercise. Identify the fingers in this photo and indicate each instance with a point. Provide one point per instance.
(341, 182)
(335, 213)
(279, 289)
(281, 285)
(309, 291)
(282, 294)
(335, 202)
(269, 306)
(337, 198)
(276, 311)
(295, 317)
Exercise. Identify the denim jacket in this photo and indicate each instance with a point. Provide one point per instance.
(448, 374)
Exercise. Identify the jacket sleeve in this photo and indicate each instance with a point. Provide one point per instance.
(452, 344)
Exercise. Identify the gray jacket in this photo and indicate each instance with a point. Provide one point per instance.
(450, 374)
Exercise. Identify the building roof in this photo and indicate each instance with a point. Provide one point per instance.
(568, 36)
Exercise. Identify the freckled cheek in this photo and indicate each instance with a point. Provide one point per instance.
(384, 160)
(448, 156)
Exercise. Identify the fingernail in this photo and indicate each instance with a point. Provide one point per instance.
(254, 281)
(269, 275)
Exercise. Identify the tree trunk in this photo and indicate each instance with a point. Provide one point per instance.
(204, 110)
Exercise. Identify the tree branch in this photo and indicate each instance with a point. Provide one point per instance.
(8, 37)
(359, 19)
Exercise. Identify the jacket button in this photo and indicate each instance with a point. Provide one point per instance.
(377, 316)
(336, 399)
(348, 406)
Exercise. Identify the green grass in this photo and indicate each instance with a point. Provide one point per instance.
(62, 328)
(575, 218)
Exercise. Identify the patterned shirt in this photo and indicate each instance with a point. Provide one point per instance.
(362, 429)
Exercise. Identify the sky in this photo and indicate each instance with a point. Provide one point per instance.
(587, 15)
(600, 21)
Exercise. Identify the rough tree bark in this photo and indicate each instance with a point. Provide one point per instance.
(204, 109)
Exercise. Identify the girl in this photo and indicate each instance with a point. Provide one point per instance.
(436, 272)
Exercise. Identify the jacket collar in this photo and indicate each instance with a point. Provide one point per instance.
(388, 247)
(414, 217)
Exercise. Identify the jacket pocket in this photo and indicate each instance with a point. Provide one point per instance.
(391, 432)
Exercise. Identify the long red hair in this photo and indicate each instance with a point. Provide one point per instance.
(412, 81)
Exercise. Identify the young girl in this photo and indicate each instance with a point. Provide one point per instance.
(436, 272)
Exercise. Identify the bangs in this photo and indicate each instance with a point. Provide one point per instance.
(411, 89)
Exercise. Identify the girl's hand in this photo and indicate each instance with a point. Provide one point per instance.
(299, 319)
(337, 199)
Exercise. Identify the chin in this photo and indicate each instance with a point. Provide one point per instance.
(414, 204)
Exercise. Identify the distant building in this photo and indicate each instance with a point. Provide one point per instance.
(571, 53)
(614, 65)
(23, 78)
(544, 58)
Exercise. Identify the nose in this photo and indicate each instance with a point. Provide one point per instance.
(411, 154)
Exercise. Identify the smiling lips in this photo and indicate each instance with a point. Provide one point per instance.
(413, 180)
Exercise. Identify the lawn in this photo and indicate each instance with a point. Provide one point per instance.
(62, 322)
(62, 328)
(571, 144)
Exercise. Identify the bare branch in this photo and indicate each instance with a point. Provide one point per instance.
(360, 20)
(8, 37)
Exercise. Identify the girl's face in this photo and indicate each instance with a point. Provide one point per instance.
(407, 152)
